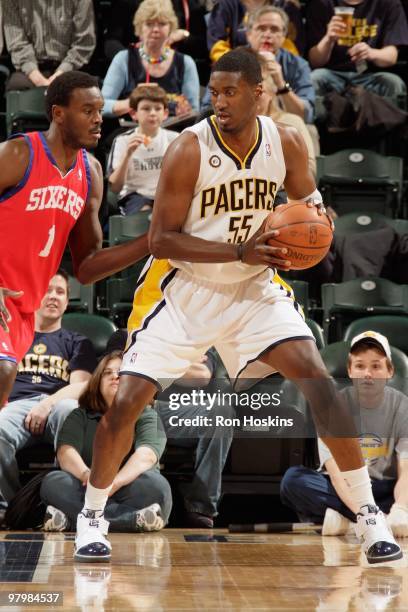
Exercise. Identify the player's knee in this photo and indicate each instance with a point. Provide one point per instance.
(8, 371)
(124, 413)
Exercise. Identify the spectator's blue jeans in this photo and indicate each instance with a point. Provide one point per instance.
(65, 492)
(381, 83)
(14, 436)
(309, 493)
(212, 444)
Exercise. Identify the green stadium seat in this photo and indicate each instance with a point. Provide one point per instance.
(361, 180)
(119, 297)
(81, 297)
(317, 333)
(98, 329)
(361, 222)
(344, 302)
(395, 328)
(400, 225)
(122, 229)
(25, 110)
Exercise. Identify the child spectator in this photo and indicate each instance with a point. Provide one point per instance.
(136, 156)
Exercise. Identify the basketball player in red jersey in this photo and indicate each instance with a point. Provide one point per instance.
(50, 194)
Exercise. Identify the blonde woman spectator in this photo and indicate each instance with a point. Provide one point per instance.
(152, 61)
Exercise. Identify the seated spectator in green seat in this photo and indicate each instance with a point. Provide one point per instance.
(136, 156)
(152, 61)
(140, 497)
(381, 412)
(344, 55)
(57, 359)
(46, 38)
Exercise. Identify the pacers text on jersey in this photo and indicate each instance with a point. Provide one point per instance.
(238, 195)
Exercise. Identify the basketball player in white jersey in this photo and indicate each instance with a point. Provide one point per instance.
(211, 281)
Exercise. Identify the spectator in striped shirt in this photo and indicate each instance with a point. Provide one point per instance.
(46, 38)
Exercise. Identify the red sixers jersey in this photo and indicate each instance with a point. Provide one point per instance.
(36, 217)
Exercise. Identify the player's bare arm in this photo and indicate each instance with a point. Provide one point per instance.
(299, 181)
(91, 262)
(14, 159)
(174, 194)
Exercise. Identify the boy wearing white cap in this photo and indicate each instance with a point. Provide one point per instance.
(383, 424)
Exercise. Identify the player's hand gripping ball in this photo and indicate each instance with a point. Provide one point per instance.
(305, 233)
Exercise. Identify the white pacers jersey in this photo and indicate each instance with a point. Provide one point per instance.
(232, 197)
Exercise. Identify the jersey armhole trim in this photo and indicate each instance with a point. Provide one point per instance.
(13, 190)
(87, 172)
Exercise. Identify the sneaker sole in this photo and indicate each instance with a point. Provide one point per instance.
(91, 558)
(394, 557)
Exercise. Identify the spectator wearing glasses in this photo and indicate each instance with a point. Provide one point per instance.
(228, 24)
(267, 28)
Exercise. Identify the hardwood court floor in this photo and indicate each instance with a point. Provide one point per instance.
(200, 570)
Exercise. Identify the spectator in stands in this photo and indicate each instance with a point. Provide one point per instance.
(382, 416)
(135, 158)
(46, 38)
(190, 36)
(266, 31)
(341, 58)
(269, 105)
(152, 61)
(140, 497)
(56, 357)
(201, 496)
(4, 71)
(227, 25)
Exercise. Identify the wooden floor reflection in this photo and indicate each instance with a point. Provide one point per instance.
(199, 570)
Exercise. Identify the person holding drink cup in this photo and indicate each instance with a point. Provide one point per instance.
(351, 41)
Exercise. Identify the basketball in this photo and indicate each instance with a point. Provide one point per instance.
(306, 234)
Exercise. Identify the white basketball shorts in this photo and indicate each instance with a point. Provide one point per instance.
(176, 318)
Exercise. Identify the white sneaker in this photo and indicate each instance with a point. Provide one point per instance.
(375, 536)
(90, 542)
(149, 519)
(54, 520)
(335, 524)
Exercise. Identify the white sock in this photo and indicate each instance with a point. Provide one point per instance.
(360, 486)
(95, 499)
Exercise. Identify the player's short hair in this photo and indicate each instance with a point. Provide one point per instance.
(240, 60)
(61, 88)
(147, 92)
(255, 16)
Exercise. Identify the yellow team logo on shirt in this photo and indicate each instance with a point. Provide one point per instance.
(39, 349)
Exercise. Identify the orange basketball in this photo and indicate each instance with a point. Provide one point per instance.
(306, 234)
